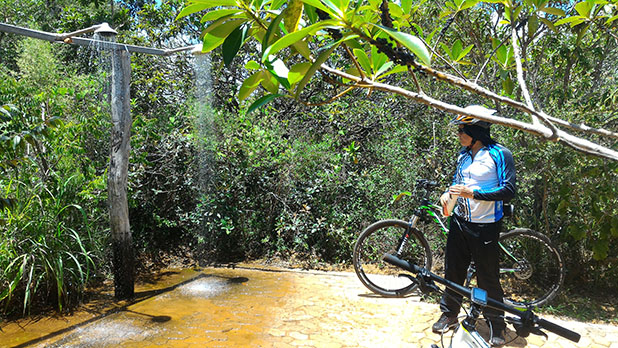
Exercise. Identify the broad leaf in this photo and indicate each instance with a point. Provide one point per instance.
(280, 72)
(378, 59)
(292, 15)
(295, 37)
(262, 101)
(335, 6)
(549, 24)
(250, 84)
(363, 60)
(217, 14)
(200, 5)
(270, 82)
(233, 42)
(297, 72)
(319, 5)
(584, 8)
(215, 37)
(315, 66)
(272, 28)
(411, 42)
(572, 20)
(554, 11)
(253, 65)
(383, 69)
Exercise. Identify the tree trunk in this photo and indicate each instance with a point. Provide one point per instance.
(122, 243)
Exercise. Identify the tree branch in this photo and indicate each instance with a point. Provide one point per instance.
(539, 130)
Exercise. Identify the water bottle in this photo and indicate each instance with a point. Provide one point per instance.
(450, 205)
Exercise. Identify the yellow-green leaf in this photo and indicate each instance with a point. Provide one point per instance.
(298, 71)
(215, 37)
(197, 6)
(315, 66)
(554, 11)
(292, 14)
(362, 59)
(249, 85)
(411, 42)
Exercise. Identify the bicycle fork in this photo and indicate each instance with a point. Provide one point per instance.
(406, 235)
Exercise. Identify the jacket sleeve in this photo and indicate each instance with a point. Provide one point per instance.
(505, 167)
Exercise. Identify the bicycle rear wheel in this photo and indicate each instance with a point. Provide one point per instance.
(531, 268)
(382, 237)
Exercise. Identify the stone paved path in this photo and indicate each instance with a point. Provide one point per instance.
(257, 307)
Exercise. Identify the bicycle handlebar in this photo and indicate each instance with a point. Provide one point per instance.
(466, 292)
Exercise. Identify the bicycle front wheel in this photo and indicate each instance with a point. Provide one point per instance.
(531, 268)
(388, 236)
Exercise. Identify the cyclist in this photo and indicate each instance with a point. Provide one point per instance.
(483, 180)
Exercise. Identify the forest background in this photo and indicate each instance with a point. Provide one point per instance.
(215, 183)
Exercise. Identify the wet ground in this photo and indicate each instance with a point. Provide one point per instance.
(250, 306)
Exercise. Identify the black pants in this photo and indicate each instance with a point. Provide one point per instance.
(479, 242)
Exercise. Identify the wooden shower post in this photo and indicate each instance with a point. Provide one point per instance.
(122, 240)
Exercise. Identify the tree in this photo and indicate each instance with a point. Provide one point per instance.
(362, 44)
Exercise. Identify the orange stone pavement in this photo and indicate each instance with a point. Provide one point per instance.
(249, 306)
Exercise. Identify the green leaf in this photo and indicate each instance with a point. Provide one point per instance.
(467, 4)
(395, 70)
(362, 59)
(319, 5)
(584, 8)
(298, 71)
(270, 82)
(378, 59)
(456, 49)
(297, 36)
(16, 141)
(533, 25)
(233, 42)
(446, 50)
(549, 24)
(572, 20)
(406, 6)
(600, 249)
(218, 14)
(200, 5)
(250, 84)
(411, 42)
(383, 68)
(272, 28)
(280, 71)
(611, 19)
(253, 65)
(217, 36)
(396, 198)
(335, 6)
(554, 11)
(5, 114)
(262, 101)
(315, 66)
(292, 15)
(464, 53)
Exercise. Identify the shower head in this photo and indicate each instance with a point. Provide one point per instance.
(105, 29)
(197, 49)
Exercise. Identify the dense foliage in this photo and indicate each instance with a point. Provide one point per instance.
(288, 179)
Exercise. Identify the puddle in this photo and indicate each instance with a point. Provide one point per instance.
(174, 307)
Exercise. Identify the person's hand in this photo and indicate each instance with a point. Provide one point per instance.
(445, 198)
(461, 191)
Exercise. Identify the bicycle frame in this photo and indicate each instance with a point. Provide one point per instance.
(432, 210)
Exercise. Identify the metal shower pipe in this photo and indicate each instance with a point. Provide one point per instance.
(70, 38)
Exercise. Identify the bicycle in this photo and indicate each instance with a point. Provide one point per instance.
(525, 321)
(531, 267)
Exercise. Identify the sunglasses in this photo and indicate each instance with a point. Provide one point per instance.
(460, 130)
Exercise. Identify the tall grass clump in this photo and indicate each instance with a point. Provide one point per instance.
(47, 251)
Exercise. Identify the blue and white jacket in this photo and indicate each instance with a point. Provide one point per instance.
(491, 174)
